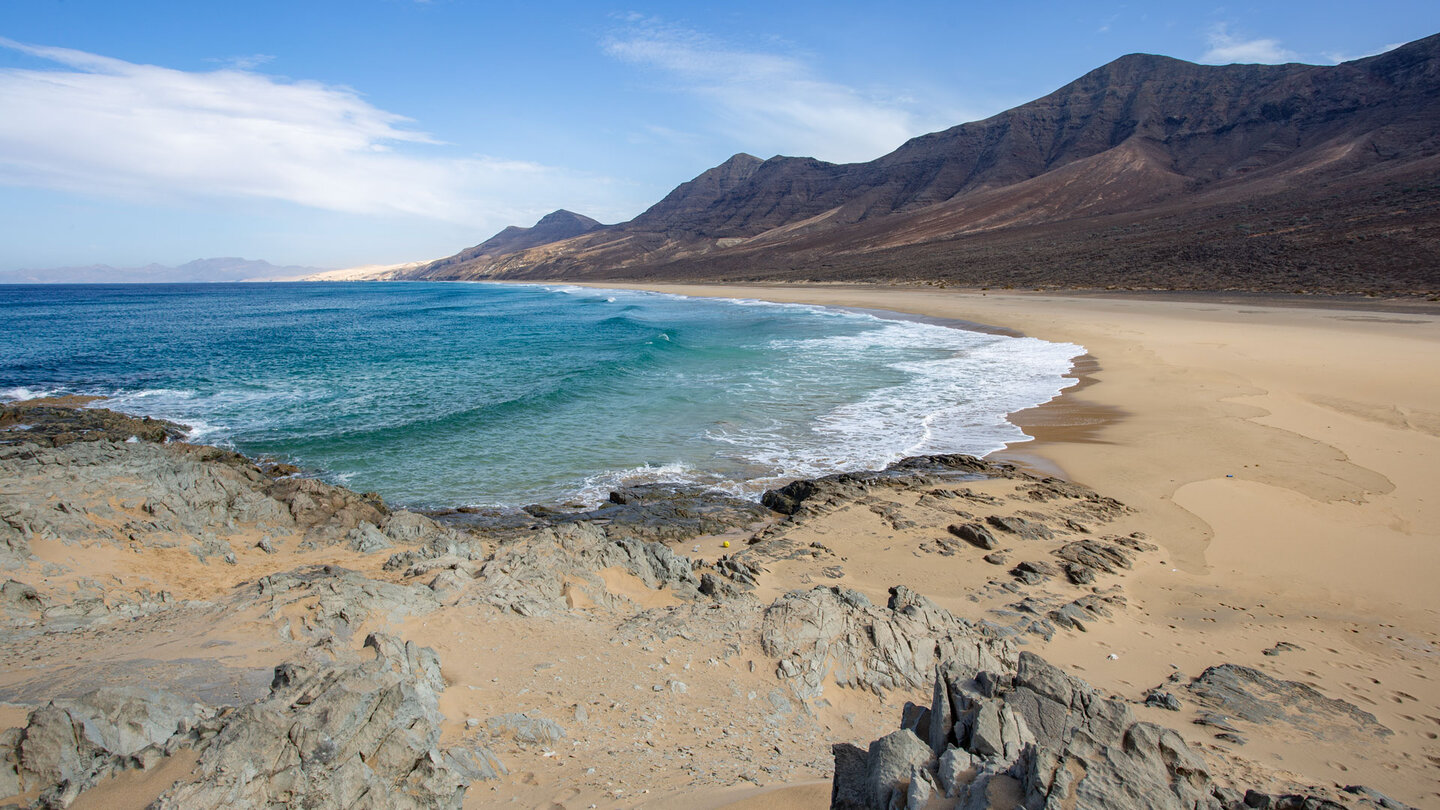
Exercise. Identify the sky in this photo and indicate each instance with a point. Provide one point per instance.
(337, 133)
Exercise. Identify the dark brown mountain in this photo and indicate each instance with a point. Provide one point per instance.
(1147, 172)
(553, 227)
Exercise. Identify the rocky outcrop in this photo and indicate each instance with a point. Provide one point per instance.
(1083, 559)
(1031, 736)
(332, 735)
(537, 575)
(838, 633)
(55, 423)
(1046, 739)
(89, 482)
(822, 494)
(67, 746)
(1241, 692)
(357, 735)
(327, 602)
(667, 513)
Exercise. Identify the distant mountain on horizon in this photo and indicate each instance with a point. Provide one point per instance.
(199, 270)
(1148, 172)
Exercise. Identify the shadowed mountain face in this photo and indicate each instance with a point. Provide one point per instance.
(1146, 172)
(553, 227)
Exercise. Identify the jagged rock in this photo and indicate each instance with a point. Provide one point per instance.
(820, 494)
(975, 534)
(1163, 700)
(449, 585)
(329, 510)
(1258, 698)
(56, 422)
(1026, 529)
(849, 790)
(738, 571)
(1376, 797)
(917, 719)
(663, 513)
(1034, 572)
(1083, 559)
(125, 494)
(1214, 720)
(1281, 646)
(837, 631)
(951, 769)
(996, 558)
(357, 735)
(531, 575)
(20, 601)
(1078, 574)
(1062, 743)
(919, 789)
(335, 601)
(67, 746)
(889, 765)
(367, 539)
(1288, 801)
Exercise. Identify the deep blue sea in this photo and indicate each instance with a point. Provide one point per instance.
(450, 394)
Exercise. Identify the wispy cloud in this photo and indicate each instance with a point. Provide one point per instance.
(99, 125)
(1226, 48)
(247, 62)
(773, 102)
(1338, 57)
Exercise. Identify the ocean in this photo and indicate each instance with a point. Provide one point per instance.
(466, 394)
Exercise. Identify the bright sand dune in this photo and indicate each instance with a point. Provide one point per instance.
(1287, 460)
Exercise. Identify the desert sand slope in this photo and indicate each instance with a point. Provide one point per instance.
(257, 637)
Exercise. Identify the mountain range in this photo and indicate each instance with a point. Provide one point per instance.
(1148, 172)
(199, 270)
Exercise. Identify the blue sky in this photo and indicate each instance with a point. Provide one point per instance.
(335, 134)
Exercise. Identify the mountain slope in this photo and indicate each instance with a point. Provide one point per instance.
(553, 227)
(1317, 177)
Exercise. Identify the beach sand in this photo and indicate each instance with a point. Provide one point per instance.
(1287, 461)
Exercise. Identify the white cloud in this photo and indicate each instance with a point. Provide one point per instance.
(1226, 48)
(772, 103)
(1336, 57)
(98, 125)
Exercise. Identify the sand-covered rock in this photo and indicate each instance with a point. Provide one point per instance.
(839, 633)
(362, 735)
(1034, 737)
(539, 574)
(67, 746)
(819, 494)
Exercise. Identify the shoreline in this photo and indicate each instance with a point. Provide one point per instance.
(1283, 457)
(1278, 481)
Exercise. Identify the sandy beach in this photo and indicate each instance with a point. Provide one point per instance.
(1282, 461)
(1287, 460)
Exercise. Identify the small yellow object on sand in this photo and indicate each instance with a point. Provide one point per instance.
(725, 544)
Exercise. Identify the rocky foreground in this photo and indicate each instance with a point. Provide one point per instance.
(186, 628)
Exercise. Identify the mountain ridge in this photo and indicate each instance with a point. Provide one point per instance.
(1296, 164)
(215, 269)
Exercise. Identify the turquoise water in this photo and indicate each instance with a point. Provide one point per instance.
(438, 394)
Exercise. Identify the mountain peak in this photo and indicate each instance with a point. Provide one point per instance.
(563, 218)
(1177, 164)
